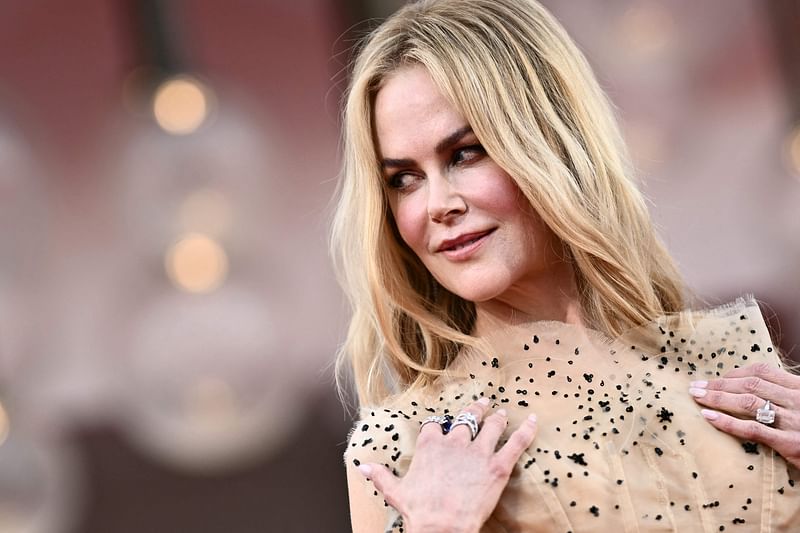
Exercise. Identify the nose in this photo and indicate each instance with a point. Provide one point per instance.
(444, 200)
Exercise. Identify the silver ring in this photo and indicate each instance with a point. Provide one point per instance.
(469, 420)
(766, 415)
(444, 421)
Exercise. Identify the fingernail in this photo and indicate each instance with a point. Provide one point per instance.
(484, 401)
(697, 393)
(532, 418)
(709, 414)
(699, 384)
(502, 412)
(365, 470)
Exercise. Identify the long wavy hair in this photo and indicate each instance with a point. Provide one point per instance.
(534, 104)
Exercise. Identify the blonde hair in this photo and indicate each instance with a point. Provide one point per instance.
(535, 105)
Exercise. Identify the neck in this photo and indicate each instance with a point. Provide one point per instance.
(556, 299)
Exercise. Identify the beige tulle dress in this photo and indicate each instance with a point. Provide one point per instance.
(621, 444)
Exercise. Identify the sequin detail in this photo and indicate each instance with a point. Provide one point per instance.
(620, 442)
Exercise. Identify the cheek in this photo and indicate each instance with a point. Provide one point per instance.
(498, 194)
(410, 218)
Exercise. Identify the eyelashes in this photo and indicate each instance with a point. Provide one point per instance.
(467, 154)
(406, 179)
(401, 180)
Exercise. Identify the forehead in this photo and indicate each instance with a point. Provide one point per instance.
(410, 110)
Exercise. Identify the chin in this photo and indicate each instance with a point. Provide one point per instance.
(476, 291)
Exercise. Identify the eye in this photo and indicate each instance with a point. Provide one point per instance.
(468, 154)
(402, 181)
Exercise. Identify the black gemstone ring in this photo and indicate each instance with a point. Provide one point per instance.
(444, 421)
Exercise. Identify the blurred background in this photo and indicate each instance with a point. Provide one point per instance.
(168, 314)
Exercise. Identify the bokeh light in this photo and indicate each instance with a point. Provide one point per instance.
(208, 380)
(181, 105)
(197, 263)
(212, 182)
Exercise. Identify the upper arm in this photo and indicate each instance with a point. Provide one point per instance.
(367, 511)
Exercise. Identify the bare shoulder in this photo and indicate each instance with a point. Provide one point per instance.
(384, 436)
(368, 513)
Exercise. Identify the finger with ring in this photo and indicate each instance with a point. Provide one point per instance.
(744, 405)
(469, 420)
(766, 414)
(445, 422)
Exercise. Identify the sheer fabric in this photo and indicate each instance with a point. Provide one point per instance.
(621, 444)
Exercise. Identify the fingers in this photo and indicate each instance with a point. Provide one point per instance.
(478, 410)
(744, 390)
(769, 373)
(754, 385)
(518, 442)
(430, 429)
(492, 428)
(382, 478)
(785, 443)
(737, 402)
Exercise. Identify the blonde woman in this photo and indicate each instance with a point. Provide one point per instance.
(518, 343)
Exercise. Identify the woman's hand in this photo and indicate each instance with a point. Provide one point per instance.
(454, 482)
(741, 393)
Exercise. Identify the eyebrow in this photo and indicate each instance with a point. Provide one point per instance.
(441, 146)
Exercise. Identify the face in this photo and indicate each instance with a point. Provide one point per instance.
(454, 207)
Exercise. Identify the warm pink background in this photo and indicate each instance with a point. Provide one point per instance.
(707, 93)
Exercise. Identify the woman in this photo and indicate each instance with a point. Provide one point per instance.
(503, 270)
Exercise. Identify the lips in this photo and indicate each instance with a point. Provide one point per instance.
(462, 241)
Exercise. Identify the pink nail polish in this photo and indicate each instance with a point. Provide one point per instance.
(365, 470)
(709, 414)
(532, 418)
(502, 412)
(702, 384)
(697, 393)
(484, 401)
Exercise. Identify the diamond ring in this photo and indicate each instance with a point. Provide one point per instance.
(469, 420)
(766, 415)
